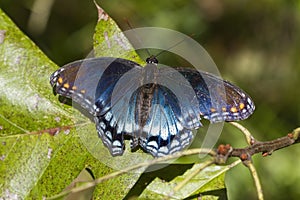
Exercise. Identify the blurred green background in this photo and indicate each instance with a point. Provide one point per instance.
(255, 44)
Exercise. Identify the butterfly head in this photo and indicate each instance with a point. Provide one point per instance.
(152, 60)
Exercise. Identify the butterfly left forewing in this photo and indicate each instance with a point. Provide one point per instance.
(79, 80)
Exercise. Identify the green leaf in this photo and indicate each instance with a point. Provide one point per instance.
(41, 152)
(33, 163)
(209, 184)
(110, 41)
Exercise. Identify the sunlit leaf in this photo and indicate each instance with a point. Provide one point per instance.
(208, 184)
(40, 151)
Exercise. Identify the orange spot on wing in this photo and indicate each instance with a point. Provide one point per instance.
(213, 110)
(233, 109)
(66, 85)
(242, 106)
(60, 80)
(74, 87)
(82, 91)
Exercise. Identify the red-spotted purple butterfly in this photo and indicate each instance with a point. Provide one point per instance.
(156, 107)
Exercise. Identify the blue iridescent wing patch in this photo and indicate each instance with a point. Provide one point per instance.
(156, 107)
(78, 80)
(219, 100)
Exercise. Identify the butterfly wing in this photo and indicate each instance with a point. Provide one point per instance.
(82, 80)
(162, 132)
(91, 83)
(180, 98)
(218, 100)
(115, 116)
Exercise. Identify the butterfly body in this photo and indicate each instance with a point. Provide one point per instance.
(156, 107)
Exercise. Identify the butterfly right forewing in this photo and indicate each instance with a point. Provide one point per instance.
(219, 100)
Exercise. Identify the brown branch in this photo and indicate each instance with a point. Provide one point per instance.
(266, 148)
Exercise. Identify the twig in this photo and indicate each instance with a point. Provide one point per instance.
(250, 139)
(254, 174)
(268, 147)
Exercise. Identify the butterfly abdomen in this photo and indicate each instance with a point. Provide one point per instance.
(144, 103)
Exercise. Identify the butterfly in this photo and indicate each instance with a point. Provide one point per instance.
(156, 107)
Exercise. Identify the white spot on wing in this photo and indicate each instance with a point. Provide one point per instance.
(108, 135)
(153, 144)
(108, 116)
(102, 125)
(117, 143)
(164, 150)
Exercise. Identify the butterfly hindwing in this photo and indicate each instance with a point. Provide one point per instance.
(162, 131)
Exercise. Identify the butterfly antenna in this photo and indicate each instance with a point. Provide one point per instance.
(176, 44)
(136, 35)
